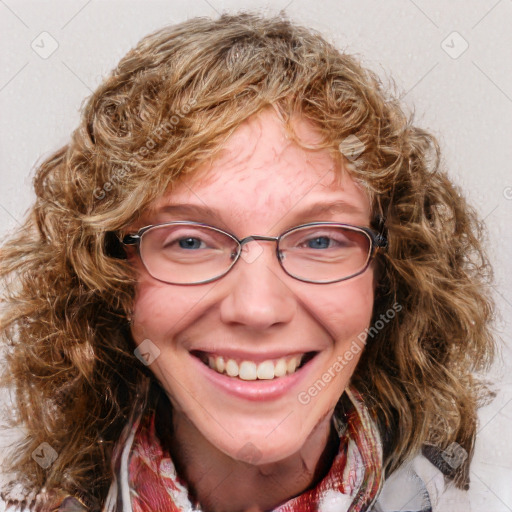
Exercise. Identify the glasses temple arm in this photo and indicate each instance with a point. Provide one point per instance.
(130, 240)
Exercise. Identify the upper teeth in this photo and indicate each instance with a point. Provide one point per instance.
(249, 370)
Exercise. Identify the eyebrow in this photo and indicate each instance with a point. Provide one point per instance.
(318, 209)
(184, 210)
(328, 208)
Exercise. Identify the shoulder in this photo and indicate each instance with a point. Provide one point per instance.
(418, 485)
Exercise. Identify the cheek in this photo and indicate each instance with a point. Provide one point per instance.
(161, 310)
(156, 310)
(347, 308)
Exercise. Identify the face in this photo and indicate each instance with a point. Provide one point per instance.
(263, 184)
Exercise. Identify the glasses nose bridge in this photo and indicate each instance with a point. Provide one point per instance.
(248, 239)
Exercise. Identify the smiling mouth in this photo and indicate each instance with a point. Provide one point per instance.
(270, 369)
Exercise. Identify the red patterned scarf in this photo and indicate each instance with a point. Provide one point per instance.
(146, 478)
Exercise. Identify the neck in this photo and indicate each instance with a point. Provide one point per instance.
(223, 484)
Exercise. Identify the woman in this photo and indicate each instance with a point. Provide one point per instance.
(246, 284)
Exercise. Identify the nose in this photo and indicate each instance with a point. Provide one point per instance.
(257, 293)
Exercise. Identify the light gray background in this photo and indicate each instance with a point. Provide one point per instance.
(466, 101)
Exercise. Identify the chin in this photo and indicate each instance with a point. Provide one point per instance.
(258, 449)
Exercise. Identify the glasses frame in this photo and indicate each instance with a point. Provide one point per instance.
(377, 241)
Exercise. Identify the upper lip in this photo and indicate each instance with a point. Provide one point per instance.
(248, 356)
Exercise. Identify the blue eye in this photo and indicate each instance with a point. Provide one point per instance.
(190, 243)
(324, 244)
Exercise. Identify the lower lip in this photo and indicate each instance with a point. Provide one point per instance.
(255, 390)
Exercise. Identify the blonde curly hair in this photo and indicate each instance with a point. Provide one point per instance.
(169, 105)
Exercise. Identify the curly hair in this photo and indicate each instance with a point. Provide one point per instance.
(170, 105)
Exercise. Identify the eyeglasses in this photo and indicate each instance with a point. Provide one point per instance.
(184, 252)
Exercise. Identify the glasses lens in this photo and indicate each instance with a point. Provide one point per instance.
(186, 253)
(325, 253)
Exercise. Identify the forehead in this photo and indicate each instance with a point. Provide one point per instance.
(261, 171)
(258, 145)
